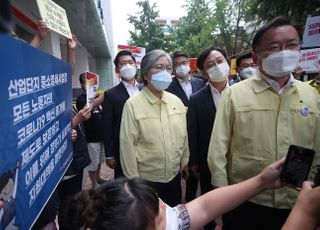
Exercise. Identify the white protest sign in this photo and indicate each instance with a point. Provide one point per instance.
(92, 85)
(311, 36)
(55, 17)
(310, 60)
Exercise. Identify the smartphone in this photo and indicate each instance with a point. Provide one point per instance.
(297, 166)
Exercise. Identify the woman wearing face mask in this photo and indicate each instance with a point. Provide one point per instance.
(153, 133)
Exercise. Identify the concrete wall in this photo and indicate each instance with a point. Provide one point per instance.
(55, 44)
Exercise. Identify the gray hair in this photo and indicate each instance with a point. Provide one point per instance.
(149, 60)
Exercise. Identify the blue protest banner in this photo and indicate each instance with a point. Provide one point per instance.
(35, 142)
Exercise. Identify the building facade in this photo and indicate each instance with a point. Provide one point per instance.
(90, 21)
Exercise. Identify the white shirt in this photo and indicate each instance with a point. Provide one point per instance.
(275, 85)
(216, 95)
(186, 86)
(131, 89)
(177, 218)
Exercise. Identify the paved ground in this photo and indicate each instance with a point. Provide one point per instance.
(106, 172)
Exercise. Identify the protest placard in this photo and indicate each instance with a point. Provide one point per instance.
(55, 17)
(310, 60)
(311, 36)
(35, 143)
(92, 85)
(137, 52)
(193, 65)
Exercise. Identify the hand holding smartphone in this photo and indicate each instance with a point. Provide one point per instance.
(297, 166)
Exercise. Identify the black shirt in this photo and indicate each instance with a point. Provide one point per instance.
(93, 126)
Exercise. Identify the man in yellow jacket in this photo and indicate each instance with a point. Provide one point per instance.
(256, 122)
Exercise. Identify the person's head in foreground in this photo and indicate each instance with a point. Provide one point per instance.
(132, 205)
(120, 204)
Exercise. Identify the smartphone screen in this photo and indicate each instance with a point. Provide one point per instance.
(297, 166)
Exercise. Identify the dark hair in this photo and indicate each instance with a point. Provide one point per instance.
(205, 53)
(122, 204)
(243, 56)
(120, 54)
(277, 22)
(82, 78)
(179, 54)
(149, 60)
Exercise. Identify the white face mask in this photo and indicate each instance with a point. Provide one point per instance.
(161, 80)
(282, 63)
(219, 72)
(183, 70)
(128, 72)
(248, 72)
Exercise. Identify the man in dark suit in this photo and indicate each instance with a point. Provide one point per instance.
(114, 100)
(183, 85)
(201, 114)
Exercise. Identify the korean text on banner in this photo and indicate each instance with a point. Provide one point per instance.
(310, 60)
(35, 145)
(311, 36)
(55, 17)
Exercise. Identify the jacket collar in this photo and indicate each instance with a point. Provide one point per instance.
(260, 84)
(152, 98)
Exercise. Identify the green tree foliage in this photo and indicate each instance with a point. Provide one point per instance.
(206, 23)
(295, 10)
(147, 33)
(213, 23)
(193, 31)
(229, 19)
(229, 24)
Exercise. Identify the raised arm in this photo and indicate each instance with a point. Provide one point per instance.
(83, 115)
(71, 53)
(219, 201)
(41, 33)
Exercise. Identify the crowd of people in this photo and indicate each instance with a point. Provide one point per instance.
(221, 133)
(230, 136)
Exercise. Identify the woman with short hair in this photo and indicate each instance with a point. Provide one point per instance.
(153, 133)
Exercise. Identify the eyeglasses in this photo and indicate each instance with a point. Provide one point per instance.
(163, 67)
(278, 47)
